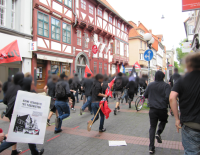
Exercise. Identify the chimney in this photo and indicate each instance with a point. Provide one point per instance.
(150, 31)
(138, 23)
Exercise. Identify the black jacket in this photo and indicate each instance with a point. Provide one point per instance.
(132, 87)
(67, 90)
(51, 88)
(158, 92)
(87, 85)
(96, 89)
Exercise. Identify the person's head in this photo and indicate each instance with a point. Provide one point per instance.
(119, 74)
(63, 76)
(76, 75)
(175, 70)
(99, 77)
(18, 79)
(27, 84)
(192, 61)
(105, 77)
(89, 75)
(159, 76)
(28, 74)
(54, 78)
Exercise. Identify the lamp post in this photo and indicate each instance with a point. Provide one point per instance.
(150, 40)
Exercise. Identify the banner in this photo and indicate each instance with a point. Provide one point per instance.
(188, 5)
(87, 70)
(10, 53)
(28, 123)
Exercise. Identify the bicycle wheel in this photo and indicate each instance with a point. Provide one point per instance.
(140, 104)
(137, 101)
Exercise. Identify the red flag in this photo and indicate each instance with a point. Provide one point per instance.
(108, 90)
(87, 70)
(118, 69)
(104, 108)
(137, 65)
(10, 53)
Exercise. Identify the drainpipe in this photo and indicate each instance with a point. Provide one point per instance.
(74, 12)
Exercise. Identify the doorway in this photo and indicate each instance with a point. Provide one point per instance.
(41, 75)
(80, 66)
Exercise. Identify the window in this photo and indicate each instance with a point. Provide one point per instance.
(91, 10)
(86, 43)
(68, 3)
(100, 68)
(13, 15)
(43, 24)
(118, 47)
(99, 12)
(145, 46)
(140, 44)
(105, 68)
(191, 28)
(110, 19)
(55, 29)
(141, 56)
(125, 50)
(101, 40)
(2, 12)
(119, 25)
(66, 33)
(83, 4)
(126, 29)
(95, 68)
(79, 37)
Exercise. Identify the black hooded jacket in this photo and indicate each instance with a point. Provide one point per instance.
(12, 90)
(6, 85)
(158, 92)
(27, 84)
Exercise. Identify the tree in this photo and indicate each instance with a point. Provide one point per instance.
(176, 64)
(180, 54)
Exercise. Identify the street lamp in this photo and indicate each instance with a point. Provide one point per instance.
(150, 40)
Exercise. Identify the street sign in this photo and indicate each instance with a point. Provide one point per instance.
(148, 55)
(94, 49)
(33, 46)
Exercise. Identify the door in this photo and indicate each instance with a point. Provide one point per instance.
(41, 74)
(81, 72)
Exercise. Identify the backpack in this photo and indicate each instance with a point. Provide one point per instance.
(10, 107)
(118, 84)
(60, 91)
(105, 86)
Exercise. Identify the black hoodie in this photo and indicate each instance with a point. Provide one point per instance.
(6, 85)
(12, 90)
(158, 92)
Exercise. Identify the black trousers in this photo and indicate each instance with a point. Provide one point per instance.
(73, 100)
(156, 115)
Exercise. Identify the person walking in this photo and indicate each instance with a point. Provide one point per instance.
(132, 89)
(76, 85)
(125, 91)
(87, 86)
(97, 96)
(118, 87)
(187, 89)
(63, 97)
(158, 95)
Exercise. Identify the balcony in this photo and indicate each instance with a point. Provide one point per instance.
(120, 59)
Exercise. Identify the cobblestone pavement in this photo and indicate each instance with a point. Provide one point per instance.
(127, 125)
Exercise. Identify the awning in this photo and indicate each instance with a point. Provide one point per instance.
(54, 58)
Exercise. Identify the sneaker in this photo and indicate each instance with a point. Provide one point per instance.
(81, 111)
(16, 152)
(48, 122)
(158, 137)
(3, 114)
(55, 132)
(102, 130)
(74, 110)
(118, 107)
(57, 121)
(151, 151)
(115, 111)
(41, 152)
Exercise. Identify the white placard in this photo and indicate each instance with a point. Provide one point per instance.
(28, 123)
(186, 47)
(117, 143)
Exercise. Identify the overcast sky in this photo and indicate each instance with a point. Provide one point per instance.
(149, 12)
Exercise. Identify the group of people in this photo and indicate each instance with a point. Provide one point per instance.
(161, 96)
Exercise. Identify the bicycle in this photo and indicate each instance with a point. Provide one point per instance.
(142, 91)
(139, 104)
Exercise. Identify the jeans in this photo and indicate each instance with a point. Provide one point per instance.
(190, 141)
(76, 95)
(63, 111)
(156, 115)
(95, 107)
(87, 104)
(6, 145)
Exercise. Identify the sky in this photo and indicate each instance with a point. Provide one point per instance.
(149, 12)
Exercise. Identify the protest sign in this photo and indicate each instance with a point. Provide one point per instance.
(28, 123)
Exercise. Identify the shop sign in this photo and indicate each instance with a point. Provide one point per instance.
(94, 49)
(188, 5)
(33, 46)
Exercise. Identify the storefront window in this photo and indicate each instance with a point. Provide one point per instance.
(55, 68)
(66, 68)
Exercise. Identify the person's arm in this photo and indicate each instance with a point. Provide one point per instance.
(2, 137)
(174, 107)
(45, 89)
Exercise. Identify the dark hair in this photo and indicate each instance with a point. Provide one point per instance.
(76, 74)
(105, 77)
(99, 77)
(119, 74)
(176, 70)
(62, 75)
(192, 60)
(88, 75)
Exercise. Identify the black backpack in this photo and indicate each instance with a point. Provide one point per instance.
(60, 91)
(10, 107)
(118, 84)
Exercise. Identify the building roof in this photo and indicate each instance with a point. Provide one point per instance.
(160, 37)
(141, 26)
(107, 5)
(133, 32)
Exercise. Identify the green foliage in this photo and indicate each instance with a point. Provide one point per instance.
(180, 67)
(176, 64)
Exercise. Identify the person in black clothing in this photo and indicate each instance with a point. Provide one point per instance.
(51, 86)
(72, 93)
(97, 96)
(6, 85)
(158, 95)
(125, 95)
(187, 88)
(105, 84)
(118, 86)
(76, 86)
(132, 89)
(174, 78)
(87, 86)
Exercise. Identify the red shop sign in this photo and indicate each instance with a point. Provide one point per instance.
(94, 49)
